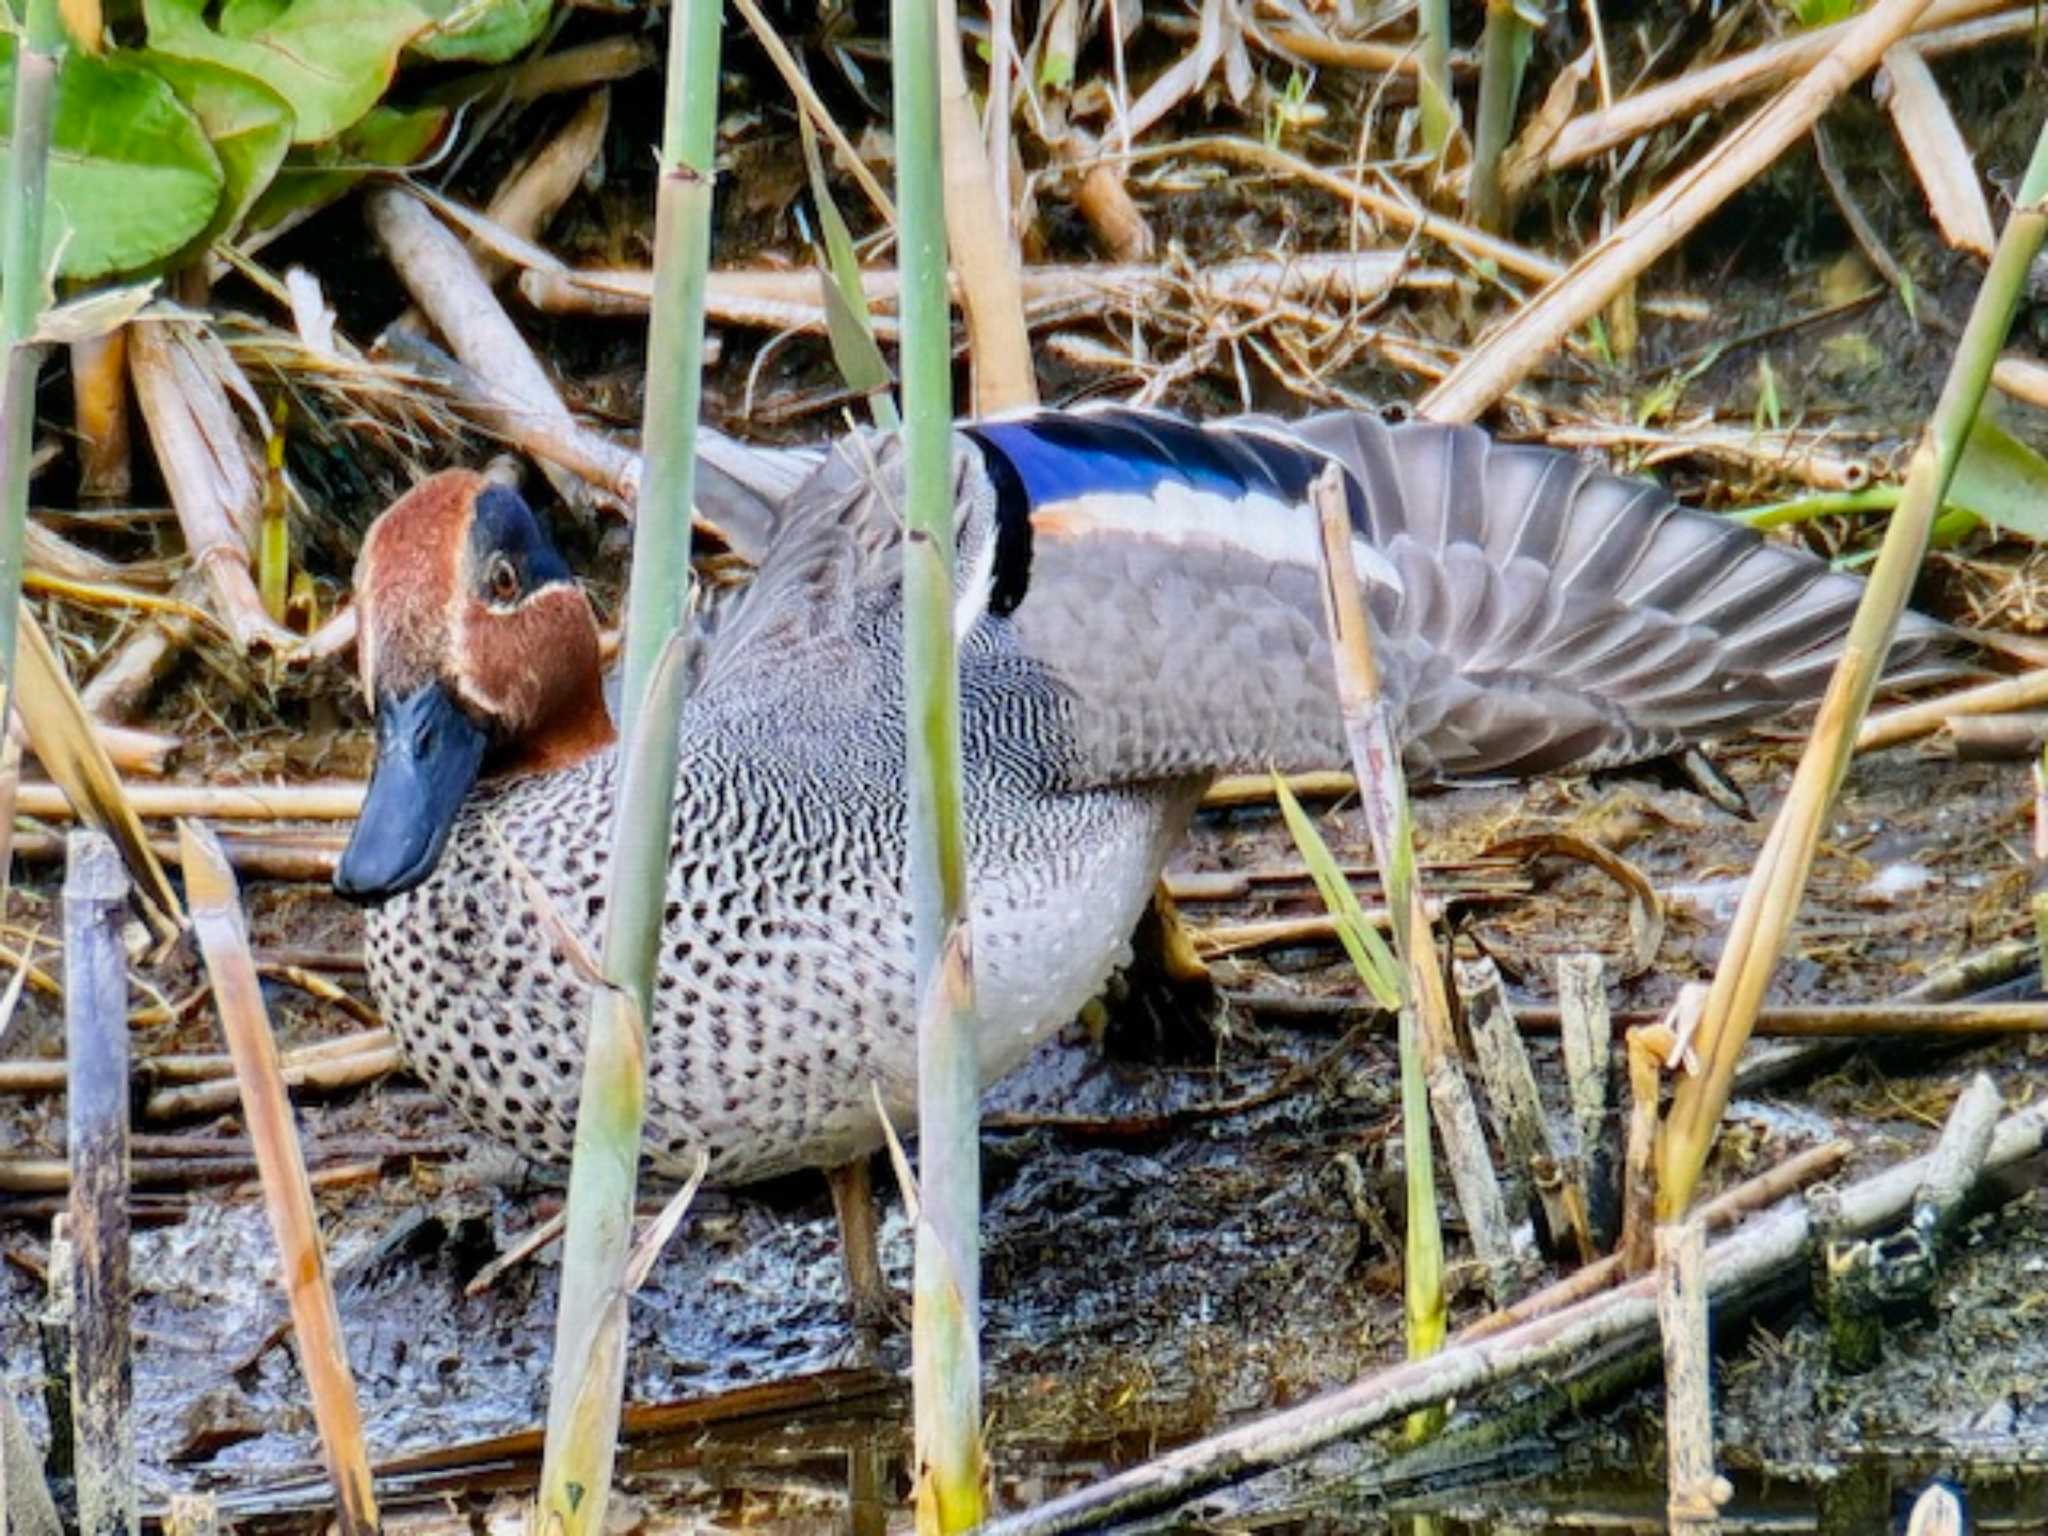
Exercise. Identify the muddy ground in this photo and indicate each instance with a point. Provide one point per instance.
(1144, 1282)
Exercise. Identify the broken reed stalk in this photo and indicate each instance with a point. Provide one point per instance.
(1425, 1011)
(1555, 1184)
(23, 287)
(1752, 1259)
(1505, 356)
(1586, 1035)
(1756, 937)
(99, 403)
(222, 931)
(1694, 1492)
(950, 1460)
(96, 1112)
(587, 1380)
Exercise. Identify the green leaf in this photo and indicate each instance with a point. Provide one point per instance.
(132, 177)
(848, 324)
(482, 31)
(312, 178)
(249, 125)
(1369, 954)
(2002, 481)
(331, 59)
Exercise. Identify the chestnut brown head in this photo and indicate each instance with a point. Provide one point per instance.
(479, 654)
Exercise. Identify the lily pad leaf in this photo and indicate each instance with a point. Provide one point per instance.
(482, 31)
(249, 125)
(132, 176)
(331, 59)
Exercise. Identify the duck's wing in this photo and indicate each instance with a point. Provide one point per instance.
(832, 545)
(1531, 612)
(742, 487)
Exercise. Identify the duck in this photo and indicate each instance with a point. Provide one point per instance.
(1137, 612)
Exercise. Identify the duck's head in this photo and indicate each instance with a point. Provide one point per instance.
(480, 657)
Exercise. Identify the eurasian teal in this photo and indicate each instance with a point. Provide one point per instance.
(1138, 612)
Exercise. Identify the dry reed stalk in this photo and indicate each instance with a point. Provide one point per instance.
(600, 62)
(1942, 162)
(1505, 356)
(99, 416)
(68, 745)
(1278, 932)
(1587, 1036)
(528, 199)
(561, 445)
(311, 860)
(1801, 456)
(214, 474)
(1343, 53)
(1957, 1161)
(127, 747)
(1646, 1050)
(26, 1078)
(222, 932)
(1911, 721)
(1723, 1211)
(978, 236)
(1997, 738)
(444, 280)
(1106, 203)
(2023, 379)
(1765, 1247)
(326, 1074)
(1762, 69)
(337, 800)
(1257, 789)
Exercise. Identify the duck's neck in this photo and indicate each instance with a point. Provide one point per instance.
(581, 729)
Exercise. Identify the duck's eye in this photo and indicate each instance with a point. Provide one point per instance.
(502, 580)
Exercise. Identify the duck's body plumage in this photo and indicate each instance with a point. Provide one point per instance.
(1140, 611)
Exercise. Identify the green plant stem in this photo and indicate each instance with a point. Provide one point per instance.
(23, 290)
(945, 1347)
(1756, 936)
(1433, 79)
(1504, 51)
(1804, 509)
(588, 1375)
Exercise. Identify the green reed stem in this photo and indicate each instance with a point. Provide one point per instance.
(588, 1376)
